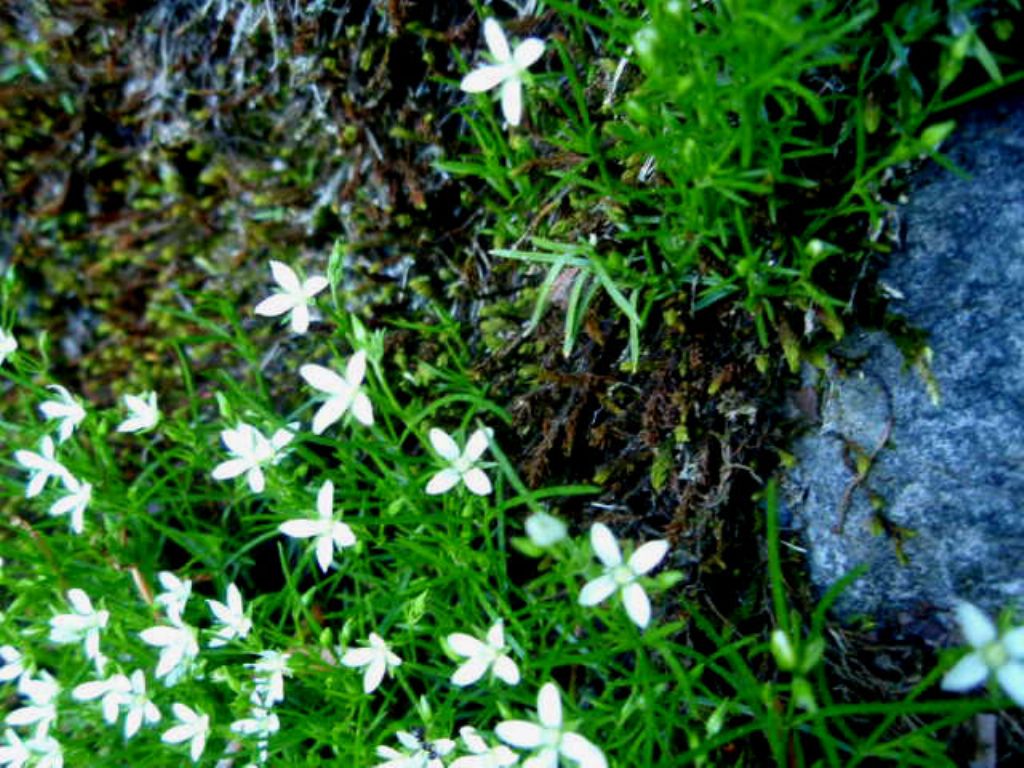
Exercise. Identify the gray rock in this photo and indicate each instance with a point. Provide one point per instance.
(940, 513)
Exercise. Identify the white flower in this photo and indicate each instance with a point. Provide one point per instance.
(7, 345)
(139, 709)
(482, 656)
(262, 724)
(328, 532)
(74, 503)
(112, 692)
(47, 750)
(41, 711)
(419, 753)
(44, 748)
(178, 649)
(507, 71)
(294, 296)
(378, 659)
(622, 576)
(13, 753)
(83, 625)
(13, 666)
(66, 408)
(143, 413)
(344, 393)
(548, 738)
(462, 465)
(545, 530)
(231, 616)
(41, 466)
(175, 595)
(483, 755)
(194, 728)
(270, 670)
(1001, 655)
(252, 451)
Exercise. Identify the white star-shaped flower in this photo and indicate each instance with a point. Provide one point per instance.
(508, 70)
(328, 532)
(483, 656)
(112, 693)
(175, 595)
(74, 503)
(622, 576)
(483, 754)
(231, 617)
(999, 655)
(83, 625)
(548, 738)
(194, 727)
(66, 408)
(271, 670)
(462, 464)
(377, 658)
(41, 466)
(344, 393)
(262, 723)
(41, 710)
(14, 752)
(294, 297)
(138, 708)
(8, 344)
(417, 752)
(178, 649)
(251, 451)
(143, 413)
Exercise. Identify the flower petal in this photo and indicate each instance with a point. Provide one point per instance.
(329, 413)
(584, 753)
(1011, 678)
(603, 542)
(362, 409)
(469, 672)
(230, 468)
(506, 670)
(355, 369)
(638, 606)
(374, 675)
(358, 657)
(300, 318)
(520, 733)
(477, 481)
(1013, 642)
(274, 305)
(597, 590)
(647, 557)
(314, 285)
(285, 276)
(549, 706)
(484, 78)
(324, 379)
(978, 628)
(443, 444)
(465, 645)
(301, 529)
(324, 552)
(512, 100)
(528, 51)
(496, 41)
(443, 481)
(967, 673)
(476, 445)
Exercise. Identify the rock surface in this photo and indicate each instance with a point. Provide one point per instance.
(939, 515)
